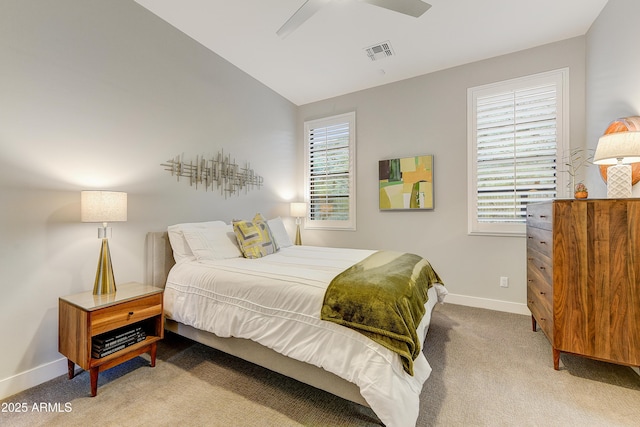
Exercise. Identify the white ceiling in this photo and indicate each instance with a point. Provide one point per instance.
(326, 56)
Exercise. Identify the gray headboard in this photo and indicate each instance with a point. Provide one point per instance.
(159, 258)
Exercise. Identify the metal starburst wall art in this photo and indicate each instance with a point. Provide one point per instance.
(219, 172)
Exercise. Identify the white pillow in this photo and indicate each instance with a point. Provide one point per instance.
(279, 233)
(213, 243)
(181, 250)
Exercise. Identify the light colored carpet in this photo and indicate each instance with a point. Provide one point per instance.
(489, 369)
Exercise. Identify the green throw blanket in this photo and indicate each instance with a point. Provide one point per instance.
(383, 297)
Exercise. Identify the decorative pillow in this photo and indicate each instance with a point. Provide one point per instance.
(213, 243)
(279, 233)
(254, 237)
(181, 250)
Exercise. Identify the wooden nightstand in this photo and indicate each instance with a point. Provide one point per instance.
(83, 316)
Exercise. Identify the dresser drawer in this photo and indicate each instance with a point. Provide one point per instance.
(537, 304)
(539, 266)
(540, 240)
(538, 288)
(119, 315)
(540, 215)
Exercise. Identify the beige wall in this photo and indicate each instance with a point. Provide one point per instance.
(95, 95)
(613, 76)
(428, 115)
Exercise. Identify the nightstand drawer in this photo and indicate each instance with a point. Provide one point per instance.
(119, 315)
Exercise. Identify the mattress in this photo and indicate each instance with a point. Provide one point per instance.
(276, 301)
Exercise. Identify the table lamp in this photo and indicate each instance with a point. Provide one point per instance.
(618, 150)
(104, 207)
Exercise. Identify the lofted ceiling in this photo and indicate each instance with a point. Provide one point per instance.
(326, 56)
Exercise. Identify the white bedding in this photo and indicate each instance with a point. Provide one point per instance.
(276, 301)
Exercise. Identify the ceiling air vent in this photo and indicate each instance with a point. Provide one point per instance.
(379, 51)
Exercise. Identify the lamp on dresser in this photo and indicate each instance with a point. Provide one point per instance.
(104, 207)
(618, 150)
(298, 211)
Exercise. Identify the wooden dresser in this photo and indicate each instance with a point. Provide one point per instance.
(583, 277)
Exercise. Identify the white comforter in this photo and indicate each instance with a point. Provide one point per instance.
(276, 301)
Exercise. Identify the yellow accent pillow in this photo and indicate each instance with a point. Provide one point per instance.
(254, 237)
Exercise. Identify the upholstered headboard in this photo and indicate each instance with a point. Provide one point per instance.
(159, 258)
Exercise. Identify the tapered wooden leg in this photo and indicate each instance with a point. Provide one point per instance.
(152, 353)
(534, 326)
(93, 373)
(71, 367)
(556, 359)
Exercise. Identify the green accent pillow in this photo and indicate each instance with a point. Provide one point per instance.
(254, 237)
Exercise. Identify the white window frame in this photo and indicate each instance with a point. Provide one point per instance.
(561, 79)
(350, 223)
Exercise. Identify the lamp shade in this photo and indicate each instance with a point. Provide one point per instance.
(619, 145)
(103, 206)
(298, 209)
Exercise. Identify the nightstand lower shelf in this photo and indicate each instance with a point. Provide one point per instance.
(149, 345)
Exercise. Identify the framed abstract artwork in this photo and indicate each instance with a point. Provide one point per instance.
(406, 183)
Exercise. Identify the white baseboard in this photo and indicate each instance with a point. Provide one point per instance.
(490, 304)
(32, 377)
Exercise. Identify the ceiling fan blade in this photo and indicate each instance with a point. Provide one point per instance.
(408, 7)
(305, 12)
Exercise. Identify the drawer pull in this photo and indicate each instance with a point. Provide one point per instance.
(543, 216)
(542, 268)
(542, 242)
(130, 314)
(542, 293)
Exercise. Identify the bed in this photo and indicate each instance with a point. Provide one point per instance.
(266, 311)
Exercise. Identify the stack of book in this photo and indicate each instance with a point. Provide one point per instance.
(110, 342)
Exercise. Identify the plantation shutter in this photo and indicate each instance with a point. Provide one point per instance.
(330, 173)
(516, 152)
(516, 132)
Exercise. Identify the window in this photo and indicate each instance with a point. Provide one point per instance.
(516, 131)
(330, 172)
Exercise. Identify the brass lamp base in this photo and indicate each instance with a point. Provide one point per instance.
(298, 238)
(105, 282)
